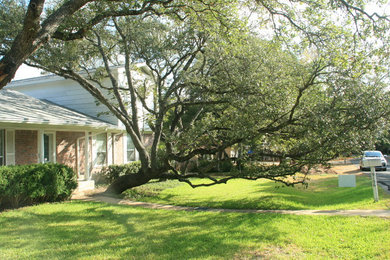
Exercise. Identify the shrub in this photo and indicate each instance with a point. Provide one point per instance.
(110, 173)
(151, 189)
(36, 183)
(212, 166)
(225, 166)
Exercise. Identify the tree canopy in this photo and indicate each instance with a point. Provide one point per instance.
(27, 25)
(303, 82)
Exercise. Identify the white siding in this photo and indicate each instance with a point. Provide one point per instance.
(138, 78)
(63, 92)
(70, 94)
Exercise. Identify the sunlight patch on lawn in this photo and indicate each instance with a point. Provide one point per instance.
(322, 193)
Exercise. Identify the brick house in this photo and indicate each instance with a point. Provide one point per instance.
(51, 119)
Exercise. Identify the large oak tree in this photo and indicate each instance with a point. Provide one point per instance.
(208, 84)
(290, 82)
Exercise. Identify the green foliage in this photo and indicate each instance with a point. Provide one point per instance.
(383, 142)
(212, 166)
(150, 189)
(37, 183)
(11, 20)
(110, 173)
(225, 166)
(304, 91)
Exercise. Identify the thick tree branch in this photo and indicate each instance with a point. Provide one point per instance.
(147, 6)
(113, 79)
(34, 35)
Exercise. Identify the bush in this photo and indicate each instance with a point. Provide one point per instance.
(110, 173)
(212, 166)
(150, 189)
(30, 184)
(225, 166)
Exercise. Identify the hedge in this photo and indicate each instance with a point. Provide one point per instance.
(110, 173)
(30, 184)
(212, 166)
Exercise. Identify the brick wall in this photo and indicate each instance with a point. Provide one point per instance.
(67, 148)
(26, 147)
(81, 155)
(118, 149)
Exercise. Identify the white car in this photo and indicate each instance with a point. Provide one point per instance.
(371, 154)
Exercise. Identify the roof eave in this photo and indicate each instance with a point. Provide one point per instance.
(58, 127)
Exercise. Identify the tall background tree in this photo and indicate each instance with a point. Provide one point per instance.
(289, 82)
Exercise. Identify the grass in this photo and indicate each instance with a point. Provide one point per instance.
(323, 193)
(90, 230)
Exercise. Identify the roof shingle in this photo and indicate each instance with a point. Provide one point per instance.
(16, 107)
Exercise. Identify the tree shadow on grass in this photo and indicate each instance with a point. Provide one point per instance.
(98, 230)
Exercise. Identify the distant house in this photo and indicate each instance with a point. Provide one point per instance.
(51, 119)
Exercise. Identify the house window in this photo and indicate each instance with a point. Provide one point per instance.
(9, 142)
(48, 148)
(130, 149)
(2, 148)
(100, 149)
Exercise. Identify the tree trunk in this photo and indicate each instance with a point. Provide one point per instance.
(128, 181)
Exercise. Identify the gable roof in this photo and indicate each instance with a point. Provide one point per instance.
(18, 108)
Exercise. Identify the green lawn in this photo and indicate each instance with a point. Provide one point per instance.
(89, 230)
(323, 193)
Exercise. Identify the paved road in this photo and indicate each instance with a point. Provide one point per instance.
(383, 177)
